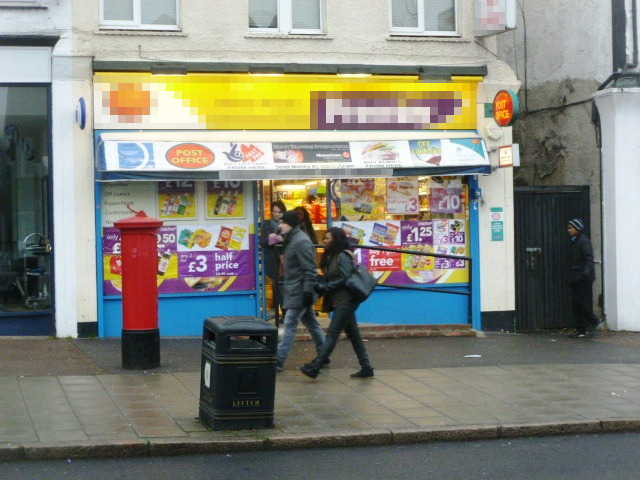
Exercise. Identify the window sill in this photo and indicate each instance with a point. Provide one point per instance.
(22, 6)
(290, 36)
(397, 37)
(129, 32)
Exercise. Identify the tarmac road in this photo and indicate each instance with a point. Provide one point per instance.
(38, 357)
(579, 457)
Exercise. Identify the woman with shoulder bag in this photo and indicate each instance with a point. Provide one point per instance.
(337, 266)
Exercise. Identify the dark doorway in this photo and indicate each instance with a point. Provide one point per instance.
(541, 248)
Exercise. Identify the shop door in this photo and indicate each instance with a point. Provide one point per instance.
(26, 254)
(542, 245)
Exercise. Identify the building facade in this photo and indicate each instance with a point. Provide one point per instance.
(216, 74)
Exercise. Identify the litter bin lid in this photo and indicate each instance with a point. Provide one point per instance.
(239, 325)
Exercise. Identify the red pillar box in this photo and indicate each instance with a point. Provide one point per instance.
(140, 333)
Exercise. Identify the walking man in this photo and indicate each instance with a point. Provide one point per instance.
(581, 277)
(298, 292)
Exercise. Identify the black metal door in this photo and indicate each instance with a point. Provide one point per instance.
(541, 245)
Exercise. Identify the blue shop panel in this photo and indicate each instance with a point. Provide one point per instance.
(181, 316)
(410, 307)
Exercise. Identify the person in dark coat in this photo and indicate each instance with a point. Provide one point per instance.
(306, 225)
(271, 243)
(337, 265)
(298, 292)
(581, 277)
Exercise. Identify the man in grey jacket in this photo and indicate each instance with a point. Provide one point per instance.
(298, 291)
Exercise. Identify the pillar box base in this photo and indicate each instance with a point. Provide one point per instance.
(140, 349)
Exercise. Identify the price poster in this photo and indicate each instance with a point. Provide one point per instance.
(225, 199)
(177, 200)
(191, 258)
(445, 236)
(402, 196)
(446, 200)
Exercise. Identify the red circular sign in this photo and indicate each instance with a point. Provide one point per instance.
(190, 156)
(503, 108)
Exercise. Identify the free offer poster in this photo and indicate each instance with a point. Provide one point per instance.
(445, 236)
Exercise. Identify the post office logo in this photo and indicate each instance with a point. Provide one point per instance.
(191, 156)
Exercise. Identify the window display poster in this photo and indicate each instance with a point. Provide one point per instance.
(177, 199)
(443, 236)
(225, 199)
(191, 257)
(357, 198)
(402, 196)
(446, 200)
(116, 197)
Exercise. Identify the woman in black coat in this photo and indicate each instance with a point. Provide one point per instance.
(337, 266)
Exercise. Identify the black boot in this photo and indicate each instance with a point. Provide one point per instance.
(365, 372)
(310, 370)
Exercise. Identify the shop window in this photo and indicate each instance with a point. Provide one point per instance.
(286, 16)
(426, 214)
(424, 17)
(139, 14)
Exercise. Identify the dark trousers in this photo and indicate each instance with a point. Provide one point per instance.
(343, 318)
(582, 306)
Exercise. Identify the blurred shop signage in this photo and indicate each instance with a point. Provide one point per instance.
(495, 16)
(503, 108)
(215, 101)
(121, 156)
(190, 156)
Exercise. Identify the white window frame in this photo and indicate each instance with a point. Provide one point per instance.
(284, 11)
(136, 24)
(22, 3)
(419, 30)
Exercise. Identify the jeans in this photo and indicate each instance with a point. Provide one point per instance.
(291, 319)
(344, 318)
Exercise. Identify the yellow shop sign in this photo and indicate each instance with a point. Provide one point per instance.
(214, 101)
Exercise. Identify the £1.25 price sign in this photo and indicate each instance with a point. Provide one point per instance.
(417, 232)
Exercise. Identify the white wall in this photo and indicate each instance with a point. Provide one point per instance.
(619, 113)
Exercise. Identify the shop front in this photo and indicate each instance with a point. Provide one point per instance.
(393, 161)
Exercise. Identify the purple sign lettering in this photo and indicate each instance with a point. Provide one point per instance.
(214, 264)
(111, 241)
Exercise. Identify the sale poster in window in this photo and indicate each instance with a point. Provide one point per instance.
(225, 200)
(444, 236)
(192, 258)
(446, 200)
(177, 200)
(402, 196)
(357, 199)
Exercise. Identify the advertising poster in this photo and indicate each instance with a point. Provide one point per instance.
(116, 197)
(446, 200)
(243, 156)
(381, 154)
(359, 199)
(443, 236)
(428, 152)
(191, 258)
(177, 200)
(312, 155)
(225, 200)
(402, 196)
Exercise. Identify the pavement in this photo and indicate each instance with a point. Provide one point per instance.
(64, 398)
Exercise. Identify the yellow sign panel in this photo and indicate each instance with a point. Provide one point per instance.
(215, 101)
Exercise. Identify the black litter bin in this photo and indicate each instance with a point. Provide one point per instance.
(238, 374)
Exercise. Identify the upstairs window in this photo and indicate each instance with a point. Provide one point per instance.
(286, 16)
(424, 17)
(140, 14)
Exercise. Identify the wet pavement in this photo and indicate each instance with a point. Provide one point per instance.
(72, 394)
